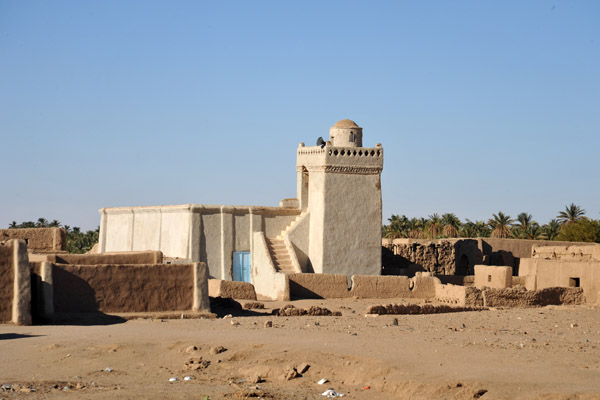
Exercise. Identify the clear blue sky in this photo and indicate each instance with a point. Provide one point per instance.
(480, 106)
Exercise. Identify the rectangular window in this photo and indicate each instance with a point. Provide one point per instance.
(573, 282)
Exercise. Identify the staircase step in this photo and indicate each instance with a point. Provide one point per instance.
(282, 261)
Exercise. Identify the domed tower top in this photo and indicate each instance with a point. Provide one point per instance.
(346, 133)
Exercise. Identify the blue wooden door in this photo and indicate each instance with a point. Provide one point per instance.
(241, 266)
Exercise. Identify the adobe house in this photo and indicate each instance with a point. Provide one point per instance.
(333, 226)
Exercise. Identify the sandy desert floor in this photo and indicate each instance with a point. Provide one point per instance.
(540, 353)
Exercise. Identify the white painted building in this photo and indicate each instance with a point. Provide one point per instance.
(333, 226)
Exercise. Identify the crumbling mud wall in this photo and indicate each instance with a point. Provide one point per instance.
(542, 273)
(123, 288)
(412, 309)
(462, 296)
(517, 297)
(521, 298)
(439, 257)
(41, 240)
(589, 252)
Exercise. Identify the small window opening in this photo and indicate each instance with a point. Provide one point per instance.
(351, 136)
(489, 278)
(573, 282)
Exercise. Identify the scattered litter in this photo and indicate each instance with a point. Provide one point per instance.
(235, 323)
(7, 387)
(228, 316)
(108, 369)
(173, 379)
(268, 324)
(331, 393)
(187, 378)
(366, 387)
(323, 381)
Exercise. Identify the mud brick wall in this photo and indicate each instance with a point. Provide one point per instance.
(41, 240)
(123, 288)
(130, 257)
(438, 258)
(7, 279)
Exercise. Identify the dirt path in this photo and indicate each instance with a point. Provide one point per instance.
(543, 353)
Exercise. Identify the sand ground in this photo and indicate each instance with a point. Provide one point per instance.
(540, 353)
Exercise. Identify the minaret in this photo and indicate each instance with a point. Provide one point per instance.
(339, 185)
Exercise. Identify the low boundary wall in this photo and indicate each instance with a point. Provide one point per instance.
(328, 286)
(130, 257)
(231, 289)
(120, 288)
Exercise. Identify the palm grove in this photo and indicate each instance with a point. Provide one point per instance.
(569, 225)
(77, 240)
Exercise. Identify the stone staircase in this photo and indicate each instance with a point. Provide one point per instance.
(279, 253)
(280, 256)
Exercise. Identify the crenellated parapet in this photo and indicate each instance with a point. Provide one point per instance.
(359, 160)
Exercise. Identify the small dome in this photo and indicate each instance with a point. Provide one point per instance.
(346, 123)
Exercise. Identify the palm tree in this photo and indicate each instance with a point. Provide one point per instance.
(571, 214)
(415, 228)
(482, 229)
(397, 227)
(500, 224)
(434, 226)
(54, 224)
(451, 224)
(41, 223)
(13, 224)
(526, 227)
(551, 230)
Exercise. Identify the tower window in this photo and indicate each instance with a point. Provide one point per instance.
(352, 137)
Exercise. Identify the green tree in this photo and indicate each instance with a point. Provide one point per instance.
(571, 214)
(79, 242)
(397, 227)
(526, 227)
(550, 230)
(500, 224)
(583, 230)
